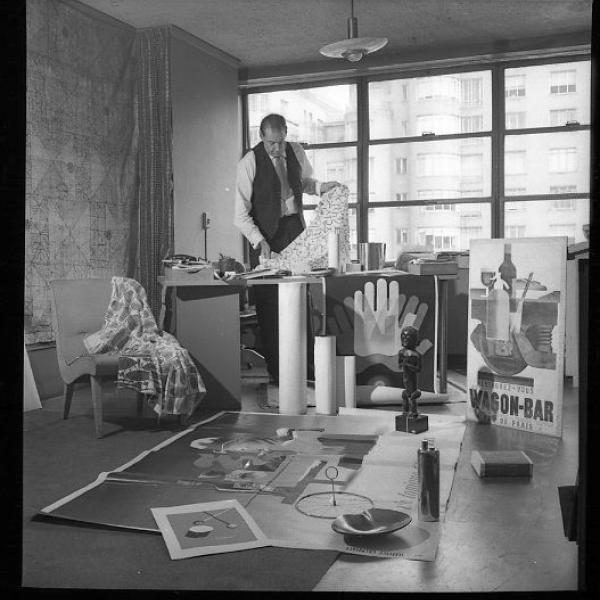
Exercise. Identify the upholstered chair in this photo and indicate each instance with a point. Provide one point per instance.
(78, 309)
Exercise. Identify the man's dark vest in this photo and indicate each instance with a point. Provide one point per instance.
(266, 189)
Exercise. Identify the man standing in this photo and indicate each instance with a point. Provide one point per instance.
(271, 179)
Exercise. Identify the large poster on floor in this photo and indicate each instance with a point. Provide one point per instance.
(515, 354)
(241, 480)
(367, 312)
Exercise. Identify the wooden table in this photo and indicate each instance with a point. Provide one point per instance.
(207, 324)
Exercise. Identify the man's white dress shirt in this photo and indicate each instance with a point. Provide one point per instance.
(246, 171)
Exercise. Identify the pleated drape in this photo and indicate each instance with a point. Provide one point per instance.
(155, 170)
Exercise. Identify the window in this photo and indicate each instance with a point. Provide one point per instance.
(471, 124)
(515, 120)
(402, 236)
(471, 90)
(563, 82)
(401, 166)
(336, 171)
(562, 160)
(563, 189)
(561, 116)
(440, 87)
(437, 164)
(438, 124)
(514, 231)
(438, 207)
(514, 86)
(515, 191)
(563, 204)
(544, 163)
(515, 162)
(438, 238)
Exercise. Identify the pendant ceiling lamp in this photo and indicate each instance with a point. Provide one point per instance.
(354, 48)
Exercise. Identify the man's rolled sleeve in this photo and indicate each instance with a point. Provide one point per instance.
(246, 171)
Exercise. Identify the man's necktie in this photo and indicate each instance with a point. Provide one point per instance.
(286, 191)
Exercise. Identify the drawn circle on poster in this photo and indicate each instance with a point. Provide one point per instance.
(320, 505)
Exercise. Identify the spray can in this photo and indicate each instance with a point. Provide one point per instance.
(428, 457)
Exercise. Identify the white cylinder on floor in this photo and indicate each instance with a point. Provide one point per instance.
(333, 249)
(349, 381)
(292, 348)
(325, 364)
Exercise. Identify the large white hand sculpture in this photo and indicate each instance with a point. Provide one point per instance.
(379, 318)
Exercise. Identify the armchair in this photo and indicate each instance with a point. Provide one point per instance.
(78, 309)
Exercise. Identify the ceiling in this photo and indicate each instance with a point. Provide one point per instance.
(264, 33)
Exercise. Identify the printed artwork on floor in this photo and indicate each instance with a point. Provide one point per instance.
(515, 354)
(244, 479)
(367, 313)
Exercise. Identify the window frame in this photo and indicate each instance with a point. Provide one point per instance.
(497, 133)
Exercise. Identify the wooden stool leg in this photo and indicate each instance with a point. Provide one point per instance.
(97, 403)
(140, 404)
(68, 396)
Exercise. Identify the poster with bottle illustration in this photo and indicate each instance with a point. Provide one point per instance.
(515, 353)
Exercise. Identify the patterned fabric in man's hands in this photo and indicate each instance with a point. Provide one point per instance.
(150, 361)
(310, 249)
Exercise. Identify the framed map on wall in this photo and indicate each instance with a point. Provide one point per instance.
(515, 352)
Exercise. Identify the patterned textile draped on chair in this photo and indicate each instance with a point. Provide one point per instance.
(150, 361)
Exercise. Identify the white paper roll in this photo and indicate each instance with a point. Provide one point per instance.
(325, 380)
(372, 395)
(350, 381)
(292, 348)
(333, 250)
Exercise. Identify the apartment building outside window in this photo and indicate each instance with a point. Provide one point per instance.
(562, 160)
(514, 86)
(516, 119)
(563, 82)
(562, 116)
(541, 156)
(471, 90)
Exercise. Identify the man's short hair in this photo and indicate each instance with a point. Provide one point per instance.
(273, 121)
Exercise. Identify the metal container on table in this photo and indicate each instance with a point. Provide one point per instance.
(371, 256)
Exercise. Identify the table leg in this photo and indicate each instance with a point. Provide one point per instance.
(292, 348)
(443, 334)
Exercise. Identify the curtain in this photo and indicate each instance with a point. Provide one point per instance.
(155, 230)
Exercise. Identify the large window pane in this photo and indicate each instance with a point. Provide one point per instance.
(443, 104)
(429, 228)
(314, 115)
(538, 218)
(352, 226)
(430, 170)
(547, 163)
(334, 164)
(547, 95)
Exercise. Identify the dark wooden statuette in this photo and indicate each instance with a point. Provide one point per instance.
(409, 361)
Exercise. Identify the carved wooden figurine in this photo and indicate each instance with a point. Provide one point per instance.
(409, 361)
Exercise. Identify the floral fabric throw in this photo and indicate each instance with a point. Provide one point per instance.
(150, 361)
(310, 249)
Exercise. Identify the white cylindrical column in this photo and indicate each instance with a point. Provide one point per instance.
(333, 249)
(292, 348)
(325, 386)
(349, 381)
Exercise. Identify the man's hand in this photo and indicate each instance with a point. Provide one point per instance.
(265, 249)
(326, 186)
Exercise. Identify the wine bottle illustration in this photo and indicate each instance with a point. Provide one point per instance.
(508, 271)
(497, 311)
